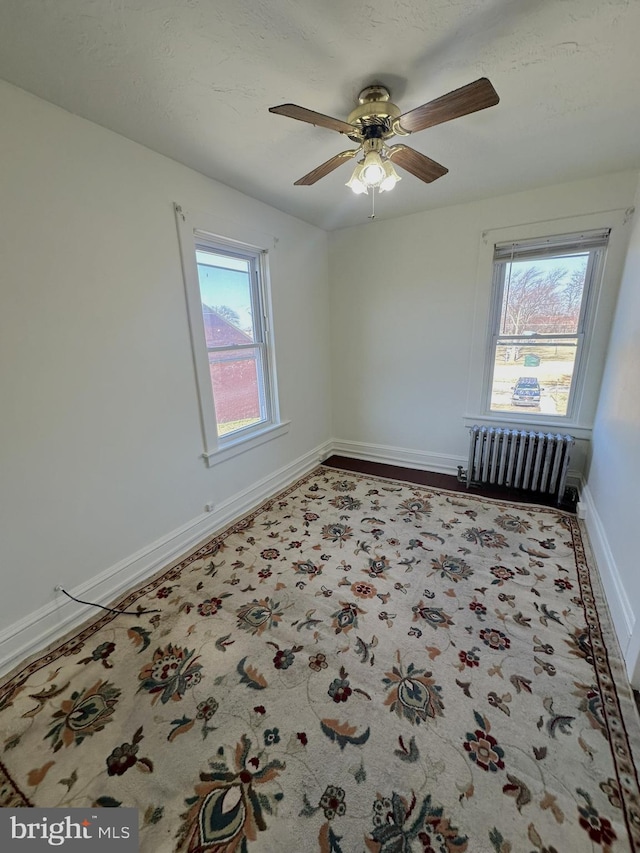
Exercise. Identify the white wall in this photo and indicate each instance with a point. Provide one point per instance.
(406, 364)
(99, 430)
(614, 474)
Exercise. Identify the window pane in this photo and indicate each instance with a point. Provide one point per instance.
(533, 376)
(540, 296)
(237, 393)
(225, 292)
(543, 296)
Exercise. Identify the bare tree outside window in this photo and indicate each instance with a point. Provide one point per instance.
(543, 301)
(227, 314)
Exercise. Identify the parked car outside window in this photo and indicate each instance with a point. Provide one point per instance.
(526, 392)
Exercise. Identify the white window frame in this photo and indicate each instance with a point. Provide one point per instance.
(204, 232)
(603, 303)
(594, 242)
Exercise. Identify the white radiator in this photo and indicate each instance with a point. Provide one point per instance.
(536, 461)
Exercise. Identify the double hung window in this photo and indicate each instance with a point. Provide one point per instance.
(226, 283)
(544, 297)
(235, 335)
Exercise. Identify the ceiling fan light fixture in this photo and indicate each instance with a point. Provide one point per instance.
(356, 182)
(372, 169)
(391, 177)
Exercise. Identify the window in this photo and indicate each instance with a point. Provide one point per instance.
(234, 328)
(544, 296)
(226, 284)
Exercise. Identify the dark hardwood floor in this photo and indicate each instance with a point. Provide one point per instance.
(447, 481)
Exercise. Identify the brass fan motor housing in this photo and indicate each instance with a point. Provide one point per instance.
(375, 110)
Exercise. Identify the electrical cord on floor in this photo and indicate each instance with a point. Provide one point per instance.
(103, 607)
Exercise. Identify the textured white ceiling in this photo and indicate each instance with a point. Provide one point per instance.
(193, 79)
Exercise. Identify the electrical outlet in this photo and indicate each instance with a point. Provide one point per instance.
(209, 507)
(57, 588)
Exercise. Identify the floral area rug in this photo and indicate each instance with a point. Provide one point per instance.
(361, 665)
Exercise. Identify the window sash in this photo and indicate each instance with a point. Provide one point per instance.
(259, 343)
(263, 418)
(255, 260)
(592, 242)
(596, 255)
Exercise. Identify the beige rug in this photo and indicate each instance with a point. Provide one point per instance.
(361, 664)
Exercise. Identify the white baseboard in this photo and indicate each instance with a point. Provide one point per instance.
(440, 463)
(42, 627)
(619, 605)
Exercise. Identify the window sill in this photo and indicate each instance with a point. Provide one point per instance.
(240, 445)
(529, 423)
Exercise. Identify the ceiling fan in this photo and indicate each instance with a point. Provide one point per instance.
(376, 120)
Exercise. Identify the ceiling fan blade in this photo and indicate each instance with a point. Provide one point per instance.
(468, 99)
(320, 120)
(416, 163)
(326, 168)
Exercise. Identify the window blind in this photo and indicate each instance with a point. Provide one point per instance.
(561, 244)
